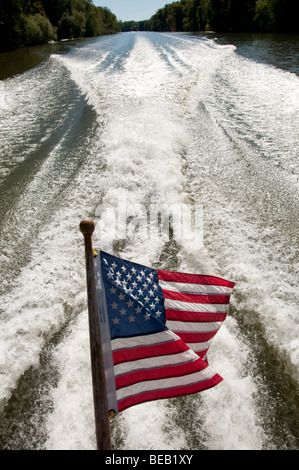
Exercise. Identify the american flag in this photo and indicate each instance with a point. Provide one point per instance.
(156, 329)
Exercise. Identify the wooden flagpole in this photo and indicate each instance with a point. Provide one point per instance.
(97, 362)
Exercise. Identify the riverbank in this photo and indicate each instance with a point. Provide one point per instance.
(24, 58)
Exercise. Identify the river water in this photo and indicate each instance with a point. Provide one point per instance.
(179, 119)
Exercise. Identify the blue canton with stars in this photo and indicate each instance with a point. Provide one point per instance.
(135, 301)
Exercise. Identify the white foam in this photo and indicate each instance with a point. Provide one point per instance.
(228, 423)
(71, 424)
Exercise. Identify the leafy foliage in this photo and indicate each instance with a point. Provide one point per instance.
(38, 29)
(24, 22)
(223, 16)
(30, 22)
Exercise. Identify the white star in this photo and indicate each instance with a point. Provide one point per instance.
(116, 321)
(121, 296)
(124, 269)
(147, 316)
(114, 306)
(114, 265)
(133, 270)
(131, 318)
(112, 290)
(130, 303)
(138, 309)
(123, 311)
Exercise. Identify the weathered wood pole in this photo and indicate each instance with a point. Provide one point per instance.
(97, 362)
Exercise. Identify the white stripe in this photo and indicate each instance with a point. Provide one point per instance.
(195, 307)
(144, 340)
(193, 327)
(199, 346)
(155, 362)
(194, 288)
(164, 384)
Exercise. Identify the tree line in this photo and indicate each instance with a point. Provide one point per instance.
(222, 16)
(31, 22)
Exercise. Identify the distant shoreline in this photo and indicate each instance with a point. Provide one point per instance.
(18, 61)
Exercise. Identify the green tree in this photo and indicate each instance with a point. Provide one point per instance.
(94, 22)
(191, 21)
(263, 16)
(110, 23)
(38, 29)
(12, 24)
(79, 24)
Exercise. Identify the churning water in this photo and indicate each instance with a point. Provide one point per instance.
(142, 118)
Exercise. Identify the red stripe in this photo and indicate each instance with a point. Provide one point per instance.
(169, 393)
(181, 315)
(196, 337)
(143, 352)
(196, 298)
(202, 354)
(193, 278)
(159, 373)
